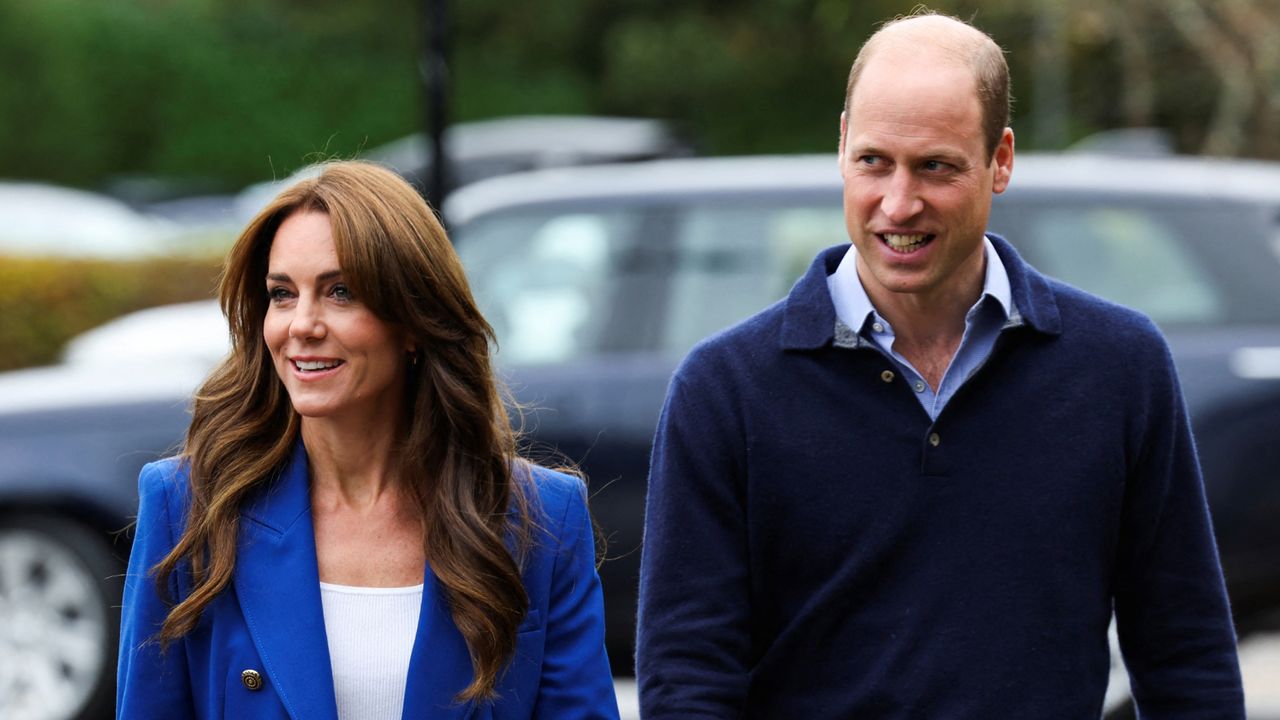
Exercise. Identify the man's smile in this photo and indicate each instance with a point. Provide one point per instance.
(904, 243)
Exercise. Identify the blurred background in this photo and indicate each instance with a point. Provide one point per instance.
(161, 104)
(138, 136)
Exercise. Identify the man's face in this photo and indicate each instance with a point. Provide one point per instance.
(918, 181)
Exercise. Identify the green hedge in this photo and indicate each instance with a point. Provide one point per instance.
(45, 302)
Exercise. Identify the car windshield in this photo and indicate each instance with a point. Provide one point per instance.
(572, 281)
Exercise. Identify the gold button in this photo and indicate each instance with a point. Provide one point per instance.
(934, 439)
(887, 376)
(252, 679)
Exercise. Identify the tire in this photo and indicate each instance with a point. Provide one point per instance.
(60, 597)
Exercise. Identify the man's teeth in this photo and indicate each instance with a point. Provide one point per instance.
(316, 364)
(904, 242)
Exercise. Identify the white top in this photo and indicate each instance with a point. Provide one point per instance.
(371, 632)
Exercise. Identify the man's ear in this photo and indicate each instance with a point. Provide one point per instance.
(1003, 161)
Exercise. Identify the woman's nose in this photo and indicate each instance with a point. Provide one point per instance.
(306, 322)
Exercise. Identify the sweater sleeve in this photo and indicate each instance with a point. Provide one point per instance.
(694, 628)
(1171, 605)
(150, 683)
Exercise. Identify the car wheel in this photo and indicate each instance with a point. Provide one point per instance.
(59, 597)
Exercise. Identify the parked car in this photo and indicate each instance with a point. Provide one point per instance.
(484, 149)
(54, 221)
(72, 440)
(597, 280)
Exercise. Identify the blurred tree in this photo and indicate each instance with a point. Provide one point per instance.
(240, 90)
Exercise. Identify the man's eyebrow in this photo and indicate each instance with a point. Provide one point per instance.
(322, 277)
(941, 154)
(946, 153)
(865, 150)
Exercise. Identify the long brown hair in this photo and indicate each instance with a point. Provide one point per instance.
(459, 450)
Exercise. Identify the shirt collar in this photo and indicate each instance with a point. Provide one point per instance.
(853, 305)
(808, 315)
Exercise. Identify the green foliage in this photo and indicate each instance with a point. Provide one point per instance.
(235, 91)
(45, 301)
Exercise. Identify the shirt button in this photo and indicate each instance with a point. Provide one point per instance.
(877, 327)
(252, 679)
(887, 376)
(934, 439)
(919, 386)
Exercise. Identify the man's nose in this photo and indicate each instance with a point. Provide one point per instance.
(901, 200)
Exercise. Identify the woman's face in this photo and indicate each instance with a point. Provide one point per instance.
(335, 358)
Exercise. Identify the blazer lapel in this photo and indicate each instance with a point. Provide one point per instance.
(278, 584)
(440, 666)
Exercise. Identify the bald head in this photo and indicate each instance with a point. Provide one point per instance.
(947, 41)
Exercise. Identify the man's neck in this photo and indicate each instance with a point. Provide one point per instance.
(928, 327)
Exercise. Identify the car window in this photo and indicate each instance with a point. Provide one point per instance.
(545, 281)
(731, 261)
(572, 282)
(1181, 262)
(1126, 255)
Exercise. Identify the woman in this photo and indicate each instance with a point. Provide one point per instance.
(349, 531)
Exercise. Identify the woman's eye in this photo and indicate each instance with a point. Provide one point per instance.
(342, 292)
(277, 294)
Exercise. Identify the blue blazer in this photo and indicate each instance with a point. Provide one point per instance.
(270, 619)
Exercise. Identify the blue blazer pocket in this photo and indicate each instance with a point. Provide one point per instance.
(532, 622)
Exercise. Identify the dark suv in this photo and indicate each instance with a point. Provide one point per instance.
(597, 281)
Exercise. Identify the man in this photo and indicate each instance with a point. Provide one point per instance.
(918, 486)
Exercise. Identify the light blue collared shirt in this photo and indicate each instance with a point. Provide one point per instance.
(993, 312)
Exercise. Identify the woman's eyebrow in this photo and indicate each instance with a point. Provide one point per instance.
(322, 277)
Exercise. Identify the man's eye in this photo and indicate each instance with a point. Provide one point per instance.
(935, 166)
(870, 160)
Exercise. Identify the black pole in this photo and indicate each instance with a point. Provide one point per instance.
(436, 78)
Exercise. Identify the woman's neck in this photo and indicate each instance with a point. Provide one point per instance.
(352, 464)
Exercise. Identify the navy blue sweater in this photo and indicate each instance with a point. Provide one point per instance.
(816, 547)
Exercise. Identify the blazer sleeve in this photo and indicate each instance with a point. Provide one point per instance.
(576, 682)
(1171, 607)
(151, 683)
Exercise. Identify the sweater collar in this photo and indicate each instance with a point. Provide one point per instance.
(809, 316)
